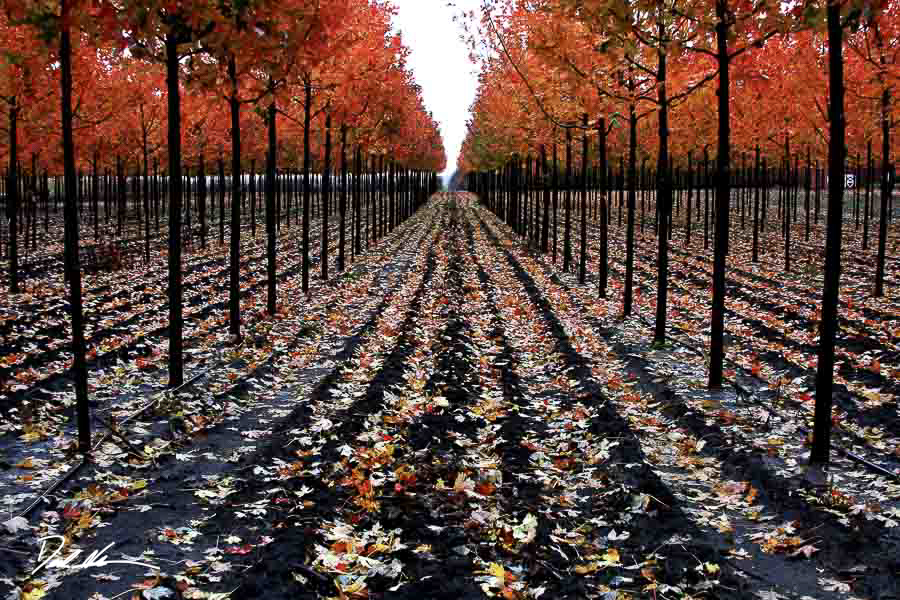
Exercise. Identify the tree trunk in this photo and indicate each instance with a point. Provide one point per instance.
(523, 204)
(369, 212)
(374, 200)
(856, 194)
(788, 197)
(252, 182)
(380, 200)
(342, 207)
(706, 200)
(234, 270)
(555, 185)
(221, 199)
(392, 195)
(545, 225)
(807, 184)
(527, 226)
(146, 193)
(663, 200)
(603, 277)
(723, 190)
(34, 201)
(357, 201)
(326, 197)
(12, 199)
(818, 201)
(201, 201)
(645, 179)
(79, 349)
(176, 364)
(582, 267)
(306, 185)
(120, 196)
(689, 185)
(763, 212)
(567, 207)
(867, 197)
(821, 448)
(156, 194)
(755, 257)
(271, 157)
(95, 198)
(885, 187)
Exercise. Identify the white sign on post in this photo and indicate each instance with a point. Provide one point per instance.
(849, 181)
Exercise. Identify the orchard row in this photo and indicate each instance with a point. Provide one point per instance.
(775, 73)
(141, 81)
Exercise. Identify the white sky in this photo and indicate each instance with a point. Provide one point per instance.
(440, 62)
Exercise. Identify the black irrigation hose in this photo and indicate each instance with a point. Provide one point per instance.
(87, 458)
(53, 487)
(742, 391)
(749, 395)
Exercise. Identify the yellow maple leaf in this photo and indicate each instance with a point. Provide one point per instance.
(586, 568)
(462, 483)
(36, 592)
(612, 556)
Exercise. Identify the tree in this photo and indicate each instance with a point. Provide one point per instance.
(22, 74)
(736, 27)
(157, 30)
(240, 36)
(57, 26)
(838, 16)
(876, 46)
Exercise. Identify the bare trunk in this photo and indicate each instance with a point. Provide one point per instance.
(79, 349)
(821, 448)
(722, 212)
(176, 326)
